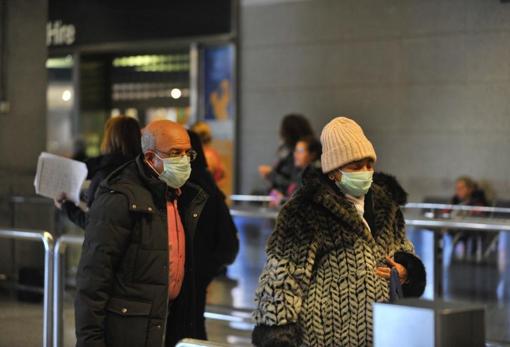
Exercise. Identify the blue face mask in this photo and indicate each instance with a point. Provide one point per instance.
(355, 183)
(176, 171)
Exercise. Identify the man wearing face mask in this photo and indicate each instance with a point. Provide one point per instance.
(336, 245)
(136, 280)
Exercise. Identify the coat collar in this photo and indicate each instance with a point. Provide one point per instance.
(323, 192)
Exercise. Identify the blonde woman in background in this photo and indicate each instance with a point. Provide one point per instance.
(214, 164)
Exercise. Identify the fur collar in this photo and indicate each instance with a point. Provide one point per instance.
(318, 189)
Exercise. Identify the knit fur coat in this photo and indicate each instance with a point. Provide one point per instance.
(319, 283)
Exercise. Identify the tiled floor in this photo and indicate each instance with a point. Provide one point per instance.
(21, 323)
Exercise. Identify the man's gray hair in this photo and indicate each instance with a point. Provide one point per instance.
(148, 141)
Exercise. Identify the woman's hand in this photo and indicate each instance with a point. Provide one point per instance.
(385, 272)
(276, 197)
(60, 200)
(265, 170)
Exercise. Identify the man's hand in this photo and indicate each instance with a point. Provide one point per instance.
(385, 271)
(60, 200)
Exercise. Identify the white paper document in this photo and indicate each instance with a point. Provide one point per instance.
(56, 175)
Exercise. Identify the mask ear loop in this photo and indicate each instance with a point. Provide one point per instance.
(150, 165)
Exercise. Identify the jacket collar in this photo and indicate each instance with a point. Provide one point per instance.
(144, 191)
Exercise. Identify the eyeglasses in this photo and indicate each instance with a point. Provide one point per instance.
(175, 153)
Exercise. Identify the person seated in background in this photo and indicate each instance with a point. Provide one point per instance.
(307, 152)
(212, 157)
(468, 193)
(293, 127)
(120, 144)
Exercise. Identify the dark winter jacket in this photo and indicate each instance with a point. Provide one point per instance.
(216, 242)
(319, 282)
(283, 171)
(122, 280)
(98, 169)
(477, 198)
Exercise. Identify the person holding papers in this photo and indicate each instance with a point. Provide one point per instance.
(121, 143)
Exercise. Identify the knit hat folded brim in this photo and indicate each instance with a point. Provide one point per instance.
(343, 141)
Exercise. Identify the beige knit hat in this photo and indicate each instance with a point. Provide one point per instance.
(343, 141)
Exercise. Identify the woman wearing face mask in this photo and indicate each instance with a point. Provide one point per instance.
(333, 250)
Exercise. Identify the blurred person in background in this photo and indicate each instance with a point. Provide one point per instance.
(306, 152)
(293, 127)
(216, 243)
(120, 144)
(339, 245)
(467, 193)
(79, 150)
(212, 157)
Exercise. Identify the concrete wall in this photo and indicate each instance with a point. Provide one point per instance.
(23, 128)
(428, 80)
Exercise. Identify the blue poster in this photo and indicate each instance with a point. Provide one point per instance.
(219, 83)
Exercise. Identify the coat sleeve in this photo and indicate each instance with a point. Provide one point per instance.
(106, 238)
(405, 255)
(291, 252)
(281, 175)
(226, 242)
(75, 214)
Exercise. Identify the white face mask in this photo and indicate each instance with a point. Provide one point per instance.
(355, 183)
(176, 171)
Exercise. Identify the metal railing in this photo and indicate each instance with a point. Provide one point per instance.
(423, 205)
(47, 239)
(213, 312)
(254, 212)
(251, 198)
(54, 273)
(199, 343)
(59, 283)
(272, 212)
(439, 226)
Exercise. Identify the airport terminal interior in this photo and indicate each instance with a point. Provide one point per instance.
(255, 173)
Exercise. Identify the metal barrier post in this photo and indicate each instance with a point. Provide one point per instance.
(438, 237)
(58, 286)
(48, 242)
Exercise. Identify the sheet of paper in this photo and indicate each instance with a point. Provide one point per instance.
(56, 175)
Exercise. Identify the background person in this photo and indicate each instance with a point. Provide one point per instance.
(306, 152)
(120, 144)
(467, 193)
(216, 243)
(292, 128)
(212, 157)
